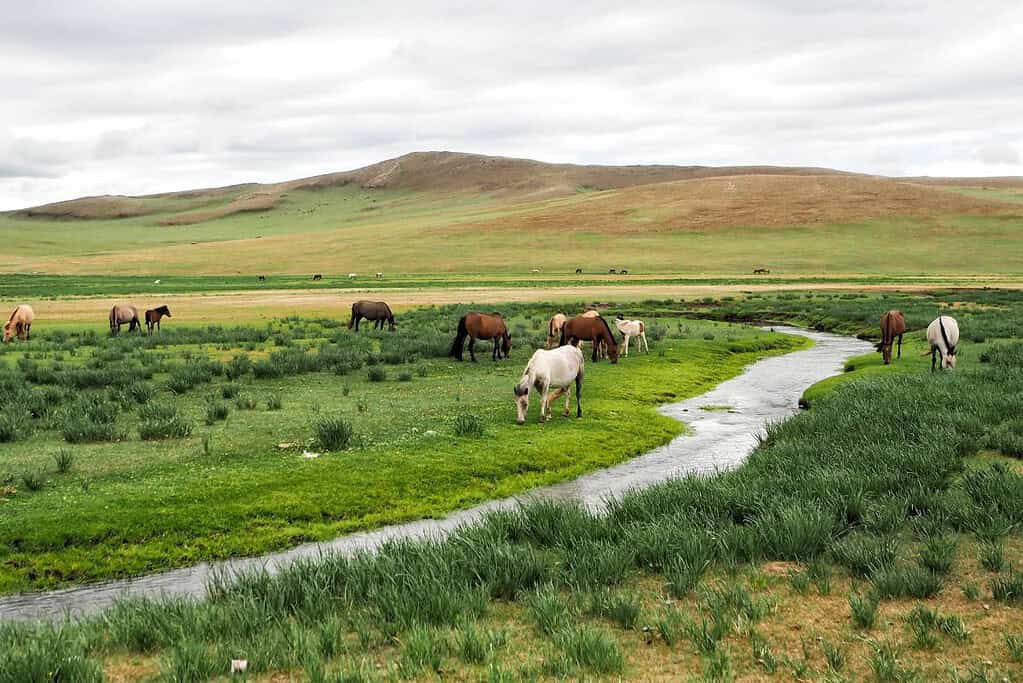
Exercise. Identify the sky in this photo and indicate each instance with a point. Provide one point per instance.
(112, 97)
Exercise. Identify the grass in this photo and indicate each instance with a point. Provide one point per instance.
(894, 522)
(168, 483)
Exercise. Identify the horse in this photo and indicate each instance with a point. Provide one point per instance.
(377, 311)
(893, 324)
(556, 368)
(578, 271)
(318, 276)
(593, 329)
(124, 313)
(554, 329)
(262, 278)
(943, 335)
(592, 313)
(153, 317)
(380, 276)
(623, 271)
(611, 271)
(761, 271)
(20, 323)
(633, 328)
(481, 326)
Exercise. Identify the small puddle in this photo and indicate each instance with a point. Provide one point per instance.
(765, 392)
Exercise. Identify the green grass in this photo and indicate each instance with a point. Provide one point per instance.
(184, 493)
(869, 489)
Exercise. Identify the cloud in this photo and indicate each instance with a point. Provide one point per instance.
(107, 96)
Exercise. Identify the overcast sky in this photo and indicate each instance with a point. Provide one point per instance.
(134, 97)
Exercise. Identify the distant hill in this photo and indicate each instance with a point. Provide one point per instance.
(450, 172)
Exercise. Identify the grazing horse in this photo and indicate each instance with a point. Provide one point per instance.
(578, 271)
(594, 330)
(481, 326)
(318, 276)
(124, 313)
(554, 329)
(893, 324)
(633, 328)
(262, 278)
(591, 313)
(20, 323)
(377, 311)
(761, 271)
(623, 271)
(943, 335)
(611, 271)
(556, 368)
(153, 317)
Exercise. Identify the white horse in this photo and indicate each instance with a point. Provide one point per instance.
(633, 328)
(556, 368)
(943, 336)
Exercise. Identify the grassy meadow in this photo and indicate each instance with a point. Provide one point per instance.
(872, 537)
(131, 454)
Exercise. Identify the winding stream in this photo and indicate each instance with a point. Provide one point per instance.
(765, 392)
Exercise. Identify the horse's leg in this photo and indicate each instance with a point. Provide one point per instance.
(626, 345)
(934, 350)
(642, 336)
(472, 348)
(900, 346)
(596, 348)
(545, 401)
(578, 394)
(494, 354)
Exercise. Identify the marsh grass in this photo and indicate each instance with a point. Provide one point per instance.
(468, 425)
(864, 609)
(64, 460)
(334, 433)
(162, 421)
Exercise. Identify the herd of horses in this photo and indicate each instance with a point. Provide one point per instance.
(552, 370)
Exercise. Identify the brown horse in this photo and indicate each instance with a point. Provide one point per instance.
(377, 311)
(481, 326)
(153, 316)
(594, 330)
(20, 323)
(893, 324)
(124, 313)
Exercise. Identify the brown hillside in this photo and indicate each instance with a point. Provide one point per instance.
(743, 200)
(449, 172)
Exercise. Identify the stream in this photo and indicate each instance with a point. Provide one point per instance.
(721, 439)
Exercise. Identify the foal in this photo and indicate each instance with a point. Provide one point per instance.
(153, 317)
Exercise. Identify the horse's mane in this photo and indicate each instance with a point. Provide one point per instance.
(608, 328)
(14, 313)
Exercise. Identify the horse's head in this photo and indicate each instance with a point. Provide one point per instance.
(522, 400)
(950, 360)
(165, 311)
(392, 325)
(506, 344)
(612, 352)
(8, 331)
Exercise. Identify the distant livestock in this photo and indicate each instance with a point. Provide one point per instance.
(761, 271)
(893, 325)
(262, 278)
(623, 271)
(352, 276)
(153, 317)
(556, 368)
(20, 323)
(611, 271)
(377, 311)
(380, 276)
(121, 314)
(481, 326)
(578, 271)
(943, 336)
(316, 277)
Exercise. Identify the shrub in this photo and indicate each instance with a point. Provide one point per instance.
(864, 609)
(907, 581)
(162, 421)
(590, 649)
(139, 393)
(274, 402)
(992, 556)
(245, 402)
(64, 459)
(32, 481)
(215, 410)
(334, 433)
(938, 554)
(230, 390)
(90, 418)
(239, 365)
(405, 376)
(862, 553)
(15, 423)
(622, 608)
(377, 374)
(1008, 587)
(468, 424)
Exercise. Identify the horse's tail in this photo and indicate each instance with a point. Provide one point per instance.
(351, 321)
(950, 349)
(113, 317)
(460, 335)
(579, 392)
(642, 327)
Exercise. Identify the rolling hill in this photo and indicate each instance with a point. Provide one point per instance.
(453, 212)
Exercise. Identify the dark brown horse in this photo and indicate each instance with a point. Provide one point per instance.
(481, 326)
(893, 324)
(377, 311)
(591, 329)
(153, 316)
